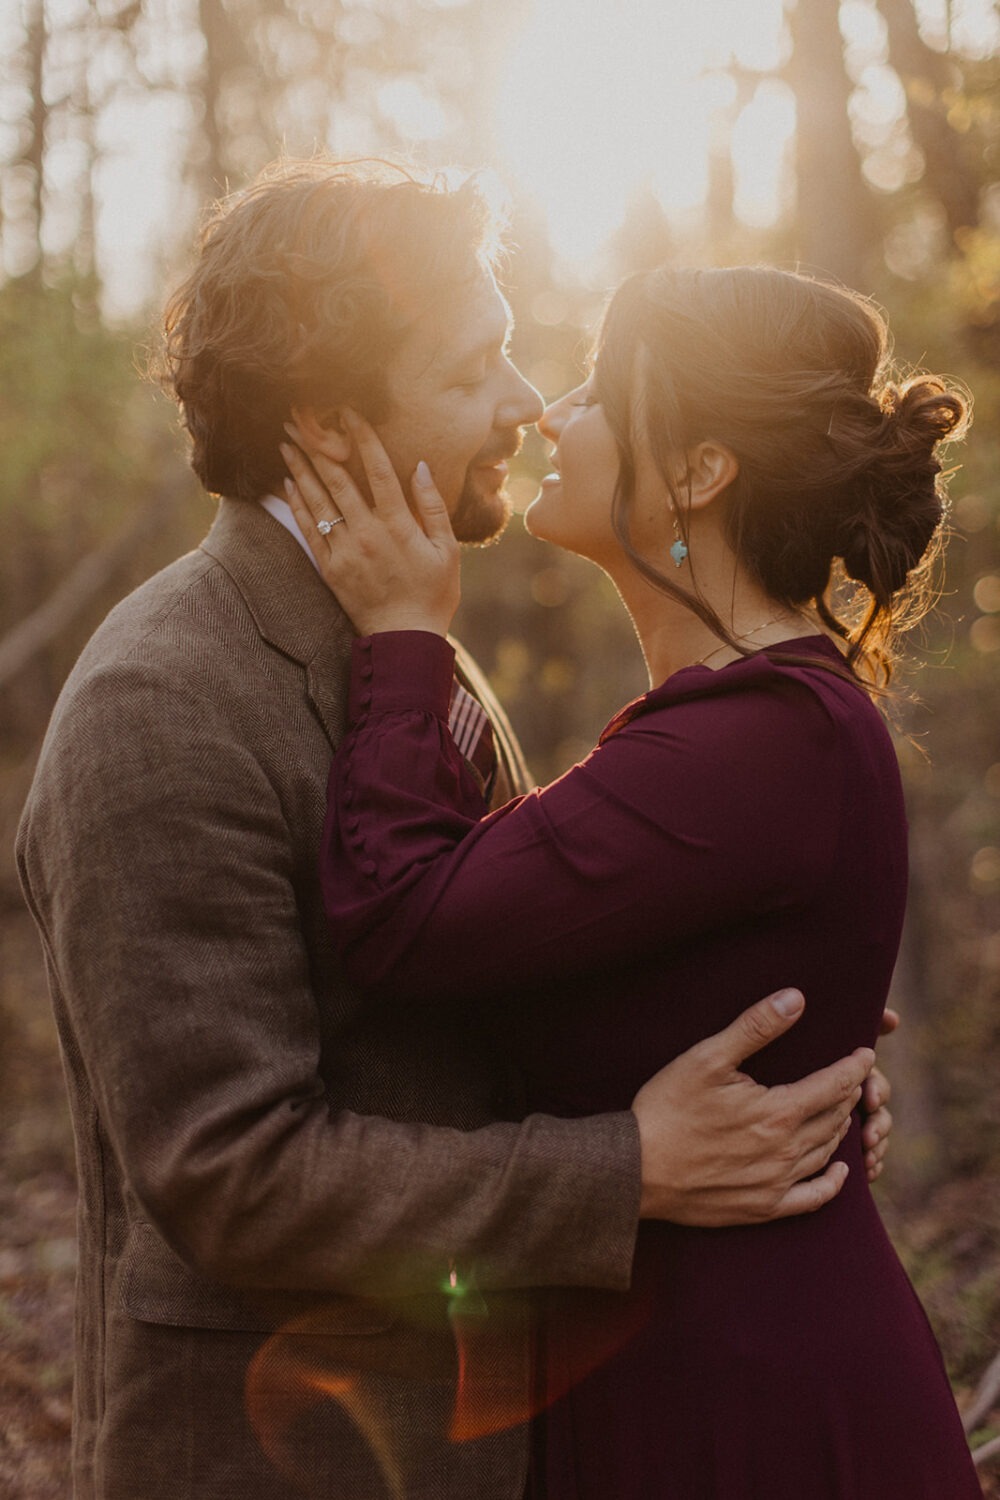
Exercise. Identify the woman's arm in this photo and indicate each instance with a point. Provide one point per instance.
(815, 1109)
(692, 816)
(699, 813)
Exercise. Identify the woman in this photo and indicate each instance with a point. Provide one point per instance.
(739, 826)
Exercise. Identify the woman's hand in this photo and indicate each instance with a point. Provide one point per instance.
(389, 569)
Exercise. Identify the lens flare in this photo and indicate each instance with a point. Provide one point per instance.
(477, 1368)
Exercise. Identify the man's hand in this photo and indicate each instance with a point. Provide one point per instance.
(719, 1149)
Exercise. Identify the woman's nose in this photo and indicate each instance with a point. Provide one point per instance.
(553, 419)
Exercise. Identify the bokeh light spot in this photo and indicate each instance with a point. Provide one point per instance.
(987, 594)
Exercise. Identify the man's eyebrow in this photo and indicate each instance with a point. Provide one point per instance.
(499, 338)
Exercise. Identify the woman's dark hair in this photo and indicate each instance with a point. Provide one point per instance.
(836, 461)
(305, 287)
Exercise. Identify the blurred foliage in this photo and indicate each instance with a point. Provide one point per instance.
(88, 449)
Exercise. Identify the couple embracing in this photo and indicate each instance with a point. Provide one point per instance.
(427, 1145)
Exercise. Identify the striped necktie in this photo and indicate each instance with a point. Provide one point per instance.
(473, 733)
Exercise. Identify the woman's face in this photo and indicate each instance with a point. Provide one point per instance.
(573, 507)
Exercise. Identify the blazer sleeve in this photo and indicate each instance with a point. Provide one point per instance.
(689, 818)
(156, 857)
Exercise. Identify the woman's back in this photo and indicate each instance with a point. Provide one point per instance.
(783, 1359)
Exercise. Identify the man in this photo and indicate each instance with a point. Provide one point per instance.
(305, 1219)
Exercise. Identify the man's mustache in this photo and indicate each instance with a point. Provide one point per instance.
(504, 448)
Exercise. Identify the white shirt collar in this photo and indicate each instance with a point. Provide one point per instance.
(283, 513)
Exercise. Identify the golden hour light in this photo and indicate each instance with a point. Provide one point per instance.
(591, 110)
(500, 749)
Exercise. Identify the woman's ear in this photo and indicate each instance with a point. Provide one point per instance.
(324, 431)
(711, 468)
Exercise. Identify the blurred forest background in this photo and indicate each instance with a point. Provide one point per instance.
(888, 177)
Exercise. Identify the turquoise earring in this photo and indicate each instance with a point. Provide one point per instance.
(679, 550)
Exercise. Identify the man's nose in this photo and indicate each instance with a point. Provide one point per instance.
(521, 405)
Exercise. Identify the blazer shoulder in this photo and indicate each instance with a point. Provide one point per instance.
(192, 597)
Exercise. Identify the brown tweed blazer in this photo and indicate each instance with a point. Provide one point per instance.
(294, 1207)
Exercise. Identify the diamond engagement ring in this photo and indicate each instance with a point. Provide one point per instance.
(325, 527)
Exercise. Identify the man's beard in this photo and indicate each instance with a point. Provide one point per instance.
(481, 515)
(478, 518)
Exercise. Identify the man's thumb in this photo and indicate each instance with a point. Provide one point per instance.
(762, 1023)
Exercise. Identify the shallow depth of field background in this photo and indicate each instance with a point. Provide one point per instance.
(860, 139)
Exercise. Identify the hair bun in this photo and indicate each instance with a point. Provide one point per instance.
(925, 411)
(896, 507)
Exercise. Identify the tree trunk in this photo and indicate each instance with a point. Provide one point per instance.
(927, 76)
(33, 155)
(216, 30)
(835, 211)
(720, 211)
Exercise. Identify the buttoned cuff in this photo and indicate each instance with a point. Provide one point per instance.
(401, 671)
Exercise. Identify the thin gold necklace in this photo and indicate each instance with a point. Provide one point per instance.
(746, 636)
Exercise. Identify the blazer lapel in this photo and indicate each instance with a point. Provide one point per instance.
(297, 614)
(292, 607)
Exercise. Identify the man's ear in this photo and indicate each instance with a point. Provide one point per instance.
(711, 469)
(323, 430)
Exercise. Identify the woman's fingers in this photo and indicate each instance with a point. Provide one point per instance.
(431, 509)
(311, 506)
(386, 490)
(326, 486)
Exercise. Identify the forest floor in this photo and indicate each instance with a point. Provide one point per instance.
(38, 1255)
(37, 1245)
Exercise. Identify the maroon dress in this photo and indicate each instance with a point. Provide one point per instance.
(735, 831)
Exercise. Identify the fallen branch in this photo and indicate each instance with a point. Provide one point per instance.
(92, 574)
(987, 1451)
(985, 1398)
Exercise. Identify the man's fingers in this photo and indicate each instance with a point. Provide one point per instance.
(817, 1159)
(876, 1128)
(890, 1020)
(877, 1091)
(807, 1197)
(833, 1088)
(755, 1028)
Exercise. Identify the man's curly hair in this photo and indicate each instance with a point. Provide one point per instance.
(305, 287)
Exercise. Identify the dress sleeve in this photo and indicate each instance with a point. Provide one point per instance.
(695, 814)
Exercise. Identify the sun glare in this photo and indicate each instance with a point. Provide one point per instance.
(597, 104)
(592, 106)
